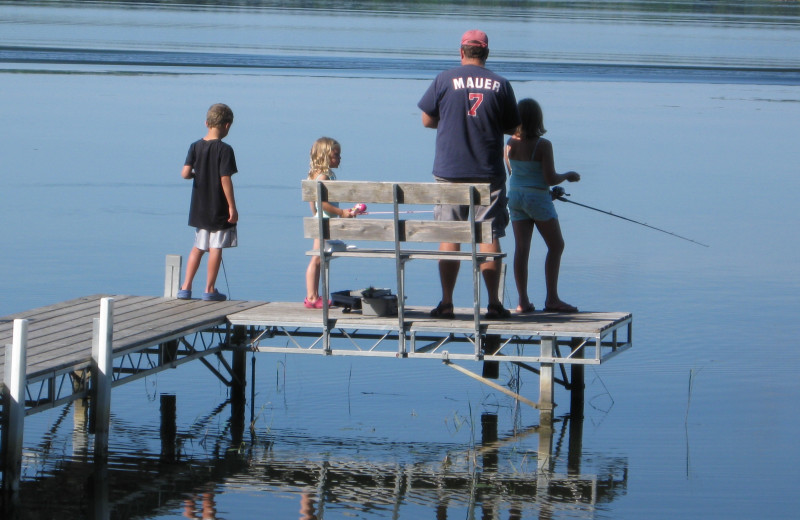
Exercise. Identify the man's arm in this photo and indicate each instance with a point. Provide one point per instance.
(429, 121)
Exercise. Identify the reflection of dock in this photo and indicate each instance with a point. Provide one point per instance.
(500, 473)
(83, 348)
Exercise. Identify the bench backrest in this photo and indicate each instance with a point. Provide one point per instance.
(396, 229)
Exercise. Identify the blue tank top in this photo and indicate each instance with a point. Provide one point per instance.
(527, 174)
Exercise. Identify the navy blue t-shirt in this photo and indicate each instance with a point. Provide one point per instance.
(210, 160)
(475, 108)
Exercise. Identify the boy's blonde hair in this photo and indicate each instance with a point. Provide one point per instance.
(320, 157)
(219, 115)
(532, 125)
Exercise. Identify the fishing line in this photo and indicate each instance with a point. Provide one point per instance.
(225, 273)
(559, 193)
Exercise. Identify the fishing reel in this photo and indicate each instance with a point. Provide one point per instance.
(558, 193)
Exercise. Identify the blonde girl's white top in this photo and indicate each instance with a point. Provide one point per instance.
(331, 177)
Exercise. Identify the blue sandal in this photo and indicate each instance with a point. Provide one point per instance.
(215, 296)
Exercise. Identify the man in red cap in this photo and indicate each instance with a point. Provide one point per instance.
(471, 109)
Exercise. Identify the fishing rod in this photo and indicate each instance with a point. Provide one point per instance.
(392, 212)
(558, 193)
(361, 209)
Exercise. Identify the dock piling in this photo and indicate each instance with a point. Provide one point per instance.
(102, 376)
(546, 374)
(14, 382)
(172, 277)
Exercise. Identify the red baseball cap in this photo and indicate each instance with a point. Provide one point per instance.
(475, 38)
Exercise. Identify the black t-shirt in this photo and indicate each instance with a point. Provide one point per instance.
(210, 161)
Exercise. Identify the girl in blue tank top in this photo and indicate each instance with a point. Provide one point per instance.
(529, 160)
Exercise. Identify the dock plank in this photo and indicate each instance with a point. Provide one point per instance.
(60, 335)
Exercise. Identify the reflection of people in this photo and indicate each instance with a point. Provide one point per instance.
(307, 504)
(471, 108)
(211, 163)
(209, 507)
(529, 159)
(326, 154)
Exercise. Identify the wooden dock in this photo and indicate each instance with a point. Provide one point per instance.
(82, 348)
(60, 338)
(152, 334)
(441, 339)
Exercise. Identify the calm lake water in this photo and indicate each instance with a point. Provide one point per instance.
(683, 115)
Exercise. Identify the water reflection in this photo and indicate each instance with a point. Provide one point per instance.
(200, 505)
(498, 477)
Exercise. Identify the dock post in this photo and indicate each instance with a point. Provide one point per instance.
(491, 344)
(546, 375)
(102, 376)
(577, 383)
(576, 403)
(14, 382)
(169, 428)
(172, 278)
(238, 385)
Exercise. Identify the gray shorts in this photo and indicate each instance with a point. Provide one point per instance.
(496, 212)
(205, 239)
(531, 204)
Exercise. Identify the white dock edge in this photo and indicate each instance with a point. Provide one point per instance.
(14, 381)
(102, 375)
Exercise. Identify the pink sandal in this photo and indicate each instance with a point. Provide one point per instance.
(316, 304)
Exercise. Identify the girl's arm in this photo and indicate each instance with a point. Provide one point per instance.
(552, 178)
(327, 207)
(505, 158)
(186, 172)
(330, 208)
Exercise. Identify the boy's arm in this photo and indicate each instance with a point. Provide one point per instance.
(227, 188)
(186, 172)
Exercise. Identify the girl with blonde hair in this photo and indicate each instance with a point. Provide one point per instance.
(325, 156)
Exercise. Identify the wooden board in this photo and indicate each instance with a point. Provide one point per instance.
(411, 254)
(408, 230)
(408, 192)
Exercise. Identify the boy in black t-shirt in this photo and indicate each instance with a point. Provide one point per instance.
(210, 163)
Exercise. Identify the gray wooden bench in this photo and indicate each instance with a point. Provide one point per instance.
(397, 231)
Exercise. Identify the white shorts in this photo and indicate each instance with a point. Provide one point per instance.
(205, 239)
